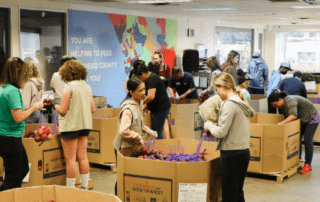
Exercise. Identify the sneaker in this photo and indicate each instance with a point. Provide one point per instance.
(306, 169)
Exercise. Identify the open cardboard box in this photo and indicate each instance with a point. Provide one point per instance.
(104, 130)
(273, 148)
(184, 119)
(55, 193)
(46, 159)
(259, 103)
(152, 180)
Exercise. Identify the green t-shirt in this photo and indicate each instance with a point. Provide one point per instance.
(10, 98)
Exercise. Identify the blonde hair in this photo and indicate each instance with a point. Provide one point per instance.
(33, 69)
(227, 81)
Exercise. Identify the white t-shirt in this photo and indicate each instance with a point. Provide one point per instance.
(57, 84)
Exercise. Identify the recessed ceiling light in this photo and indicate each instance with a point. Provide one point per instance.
(304, 7)
(159, 1)
(211, 9)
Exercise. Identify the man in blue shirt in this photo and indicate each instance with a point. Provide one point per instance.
(183, 83)
(293, 86)
(275, 81)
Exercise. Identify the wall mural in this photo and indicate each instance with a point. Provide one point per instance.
(108, 44)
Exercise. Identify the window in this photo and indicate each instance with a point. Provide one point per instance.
(42, 40)
(237, 39)
(300, 49)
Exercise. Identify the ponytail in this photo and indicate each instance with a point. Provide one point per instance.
(276, 95)
(237, 90)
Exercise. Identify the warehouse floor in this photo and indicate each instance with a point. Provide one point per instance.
(298, 188)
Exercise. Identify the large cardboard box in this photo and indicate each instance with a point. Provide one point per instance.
(259, 103)
(273, 148)
(184, 120)
(104, 130)
(1, 167)
(55, 193)
(46, 160)
(317, 134)
(98, 100)
(152, 180)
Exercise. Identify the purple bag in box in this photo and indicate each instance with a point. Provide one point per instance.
(317, 100)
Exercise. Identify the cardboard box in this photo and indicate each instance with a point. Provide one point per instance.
(317, 134)
(273, 148)
(151, 180)
(259, 103)
(98, 100)
(184, 120)
(47, 161)
(55, 193)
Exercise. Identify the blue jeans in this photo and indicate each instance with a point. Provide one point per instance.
(158, 122)
(33, 118)
(308, 130)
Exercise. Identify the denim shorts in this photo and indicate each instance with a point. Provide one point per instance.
(75, 134)
(33, 118)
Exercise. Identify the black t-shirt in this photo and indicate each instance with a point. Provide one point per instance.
(183, 85)
(161, 100)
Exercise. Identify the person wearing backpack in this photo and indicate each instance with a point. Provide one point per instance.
(258, 73)
(32, 91)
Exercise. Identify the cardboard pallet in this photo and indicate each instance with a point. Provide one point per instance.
(277, 177)
(90, 185)
(111, 166)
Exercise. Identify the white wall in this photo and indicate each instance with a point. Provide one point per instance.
(204, 27)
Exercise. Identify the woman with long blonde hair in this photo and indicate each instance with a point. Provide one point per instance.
(32, 91)
(233, 133)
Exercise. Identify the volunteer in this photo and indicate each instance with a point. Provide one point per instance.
(154, 67)
(242, 88)
(296, 107)
(75, 121)
(12, 122)
(293, 85)
(57, 84)
(157, 100)
(233, 133)
(164, 68)
(32, 91)
(275, 81)
(231, 65)
(183, 83)
(258, 73)
(131, 127)
(214, 65)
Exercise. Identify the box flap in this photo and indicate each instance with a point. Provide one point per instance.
(48, 193)
(256, 96)
(105, 113)
(7, 196)
(28, 194)
(69, 194)
(269, 118)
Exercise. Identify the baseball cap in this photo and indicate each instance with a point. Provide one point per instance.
(256, 55)
(297, 74)
(286, 65)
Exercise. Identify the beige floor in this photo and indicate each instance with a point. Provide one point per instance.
(298, 188)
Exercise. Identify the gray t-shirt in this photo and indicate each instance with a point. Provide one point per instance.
(299, 107)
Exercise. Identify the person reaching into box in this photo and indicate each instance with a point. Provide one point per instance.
(233, 133)
(12, 122)
(295, 107)
(131, 128)
(75, 121)
(293, 85)
(183, 83)
(157, 100)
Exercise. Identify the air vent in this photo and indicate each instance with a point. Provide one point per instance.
(294, 23)
(101, 1)
(160, 4)
(304, 18)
